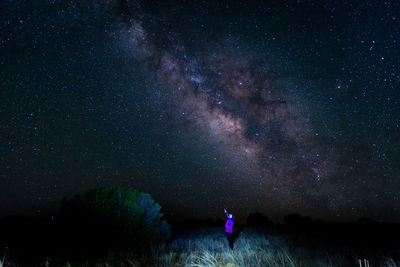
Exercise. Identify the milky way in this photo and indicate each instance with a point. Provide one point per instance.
(272, 107)
(233, 104)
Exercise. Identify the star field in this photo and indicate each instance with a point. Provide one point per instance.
(276, 107)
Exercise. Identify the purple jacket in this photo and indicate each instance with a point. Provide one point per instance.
(229, 225)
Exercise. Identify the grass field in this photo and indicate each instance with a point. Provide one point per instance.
(208, 247)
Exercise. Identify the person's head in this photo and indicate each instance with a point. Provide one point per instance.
(230, 215)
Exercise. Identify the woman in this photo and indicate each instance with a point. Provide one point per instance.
(229, 229)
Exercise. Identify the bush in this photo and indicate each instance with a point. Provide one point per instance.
(121, 214)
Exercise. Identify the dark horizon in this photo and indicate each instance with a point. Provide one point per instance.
(180, 219)
(277, 107)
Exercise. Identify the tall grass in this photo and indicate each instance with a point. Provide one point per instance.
(3, 261)
(209, 247)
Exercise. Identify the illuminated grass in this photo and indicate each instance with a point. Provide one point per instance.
(209, 247)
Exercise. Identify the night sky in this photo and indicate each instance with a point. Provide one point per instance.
(270, 106)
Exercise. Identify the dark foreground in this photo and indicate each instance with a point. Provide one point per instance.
(298, 242)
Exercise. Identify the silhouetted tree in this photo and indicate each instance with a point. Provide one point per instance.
(123, 213)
